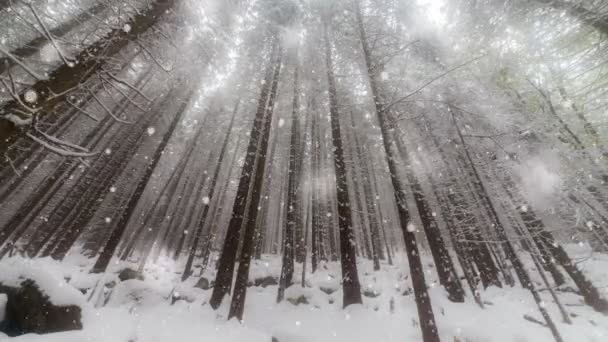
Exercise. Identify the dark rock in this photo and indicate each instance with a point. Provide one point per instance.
(128, 274)
(328, 290)
(28, 310)
(297, 301)
(369, 293)
(204, 284)
(266, 281)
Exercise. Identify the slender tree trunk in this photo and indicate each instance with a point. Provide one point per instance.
(28, 49)
(210, 194)
(350, 278)
(423, 303)
(237, 306)
(55, 88)
(292, 193)
(112, 243)
(443, 261)
(225, 265)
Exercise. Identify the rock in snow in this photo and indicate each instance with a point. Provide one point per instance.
(129, 274)
(265, 281)
(204, 284)
(29, 310)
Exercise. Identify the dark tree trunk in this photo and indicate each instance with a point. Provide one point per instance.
(301, 225)
(112, 243)
(54, 90)
(68, 218)
(423, 302)
(237, 306)
(187, 213)
(443, 261)
(350, 278)
(219, 205)
(210, 194)
(537, 228)
(30, 48)
(159, 208)
(315, 207)
(56, 122)
(292, 193)
(223, 280)
(364, 177)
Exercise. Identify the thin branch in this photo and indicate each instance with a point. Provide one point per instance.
(49, 36)
(81, 110)
(426, 84)
(32, 73)
(106, 109)
(123, 82)
(59, 151)
(10, 162)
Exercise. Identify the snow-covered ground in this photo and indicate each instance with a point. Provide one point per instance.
(142, 311)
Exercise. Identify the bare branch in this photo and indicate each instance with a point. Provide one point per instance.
(17, 61)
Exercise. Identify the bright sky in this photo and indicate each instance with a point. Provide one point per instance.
(433, 11)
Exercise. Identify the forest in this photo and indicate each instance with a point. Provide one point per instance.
(303, 170)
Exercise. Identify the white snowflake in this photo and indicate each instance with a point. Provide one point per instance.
(108, 151)
(281, 122)
(151, 131)
(411, 228)
(205, 200)
(113, 189)
(126, 28)
(30, 96)
(108, 220)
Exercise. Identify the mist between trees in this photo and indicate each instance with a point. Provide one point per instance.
(469, 135)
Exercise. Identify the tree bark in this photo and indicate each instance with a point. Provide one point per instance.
(423, 303)
(237, 306)
(210, 194)
(223, 280)
(112, 243)
(350, 278)
(292, 194)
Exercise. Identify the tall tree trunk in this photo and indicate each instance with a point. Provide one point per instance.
(210, 194)
(237, 306)
(350, 278)
(112, 243)
(443, 261)
(365, 178)
(55, 88)
(315, 205)
(217, 211)
(66, 221)
(292, 192)
(423, 303)
(28, 49)
(223, 280)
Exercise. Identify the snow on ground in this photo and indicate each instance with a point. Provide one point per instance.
(141, 311)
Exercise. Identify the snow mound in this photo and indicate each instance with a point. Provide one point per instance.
(14, 271)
